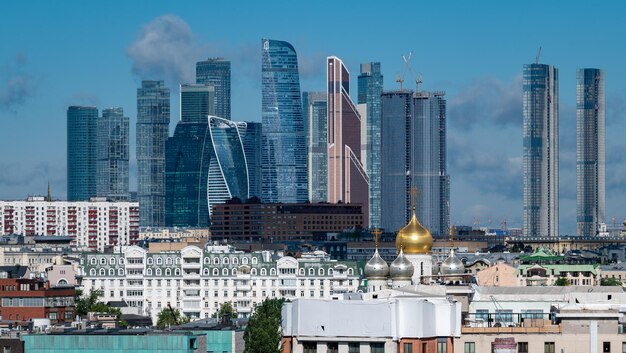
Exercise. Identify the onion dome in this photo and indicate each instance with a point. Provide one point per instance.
(376, 267)
(452, 265)
(401, 267)
(414, 238)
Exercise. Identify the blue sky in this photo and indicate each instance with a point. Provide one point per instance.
(55, 54)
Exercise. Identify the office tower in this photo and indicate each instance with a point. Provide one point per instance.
(153, 122)
(314, 111)
(370, 89)
(251, 137)
(541, 151)
(347, 179)
(216, 72)
(82, 151)
(112, 163)
(284, 150)
(590, 151)
(196, 102)
(413, 156)
(205, 165)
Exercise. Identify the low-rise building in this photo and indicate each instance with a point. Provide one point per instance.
(499, 275)
(173, 233)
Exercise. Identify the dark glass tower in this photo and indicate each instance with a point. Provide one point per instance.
(196, 102)
(153, 121)
(590, 151)
(541, 151)
(113, 163)
(82, 152)
(251, 137)
(284, 150)
(370, 89)
(216, 72)
(315, 114)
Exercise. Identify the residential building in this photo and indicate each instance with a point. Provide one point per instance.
(251, 133)
(205, 165)
(153, 121)
(170, 233)
(82, 152)
(216, 72)
(284, 150)
(590, 152)
(370, 90)
(112, 162)
(198, 280)
(614, 271)
(315, 114)
(271, 222)
(92, 225)
(499, 275)
(413, 157)
(541, 151)
(347, 179)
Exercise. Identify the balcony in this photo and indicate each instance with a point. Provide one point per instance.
(244, 287)
(340, 288)
(244, 309)
(511, 330)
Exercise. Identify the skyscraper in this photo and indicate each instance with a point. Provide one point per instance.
(251, 137)
(590, 151)
(153, 121)
(413, 155)
(370, 89)
(216, 72)
(284, 150)
(347, 179)
(196, 102)
(315, 114)
(82, 151)
(112, 162)
(541, 151)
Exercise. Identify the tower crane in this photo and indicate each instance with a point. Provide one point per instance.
(537, 57)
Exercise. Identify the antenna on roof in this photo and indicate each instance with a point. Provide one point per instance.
(537, 57)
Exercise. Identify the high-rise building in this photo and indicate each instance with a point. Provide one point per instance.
(216, 72)
(251, 138)
(153, 121)
(196, 102)
(82, 152)
(112, 162)
(541, 151)
(315, 114)
(413, 157)
(370, 89)
(284, 150)
(590, 151)
(347, 179)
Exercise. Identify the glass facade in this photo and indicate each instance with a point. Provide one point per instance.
(196, 102)
(284, 150)
(113, 151)
(590, 151)
(82, 152)
(216, 72)
(370, 88)
(111, 343)
(541, 151)
(315, 113)
(251, 137)
(153, 121)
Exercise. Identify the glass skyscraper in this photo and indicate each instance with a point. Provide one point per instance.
(216, 72)
(541, 151)
(590, 151)
(413, 155)
(370, 88)
(153, 121)
(112, 160)
(315, 114)
(284, 150)
(251, 137)
(82, 152)
(196, 102)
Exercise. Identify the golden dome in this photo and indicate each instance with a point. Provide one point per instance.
(414, 238)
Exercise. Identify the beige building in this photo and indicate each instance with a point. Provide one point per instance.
(174, 233)
(498, 275)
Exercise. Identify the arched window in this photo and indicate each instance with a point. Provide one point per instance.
(235, 261)
(301, 271)
(272, 272)
(205, 271)
(216, 261)
(320, 272)
(263, 272)
(311, 272)
(112, 261)
(158, 271)
(255, 261)
(168, 272)
(150, 261)
(225, 261)
(216, 272)
(225, 272)
(350, 272)
(168, 261)
(103, 261)
(159, 261)
(120, 272)
(234, 272)
(92, 272)
(330, 271)
(244, 261)
(149, 272)
(178, 260)
(102, 272)
(253, 272)
(93, 261)
(207, 260)
(177, 272)
(121, 261)
(111, 272)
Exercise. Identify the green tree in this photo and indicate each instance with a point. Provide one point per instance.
(170, 317)
(90, 302)
(263, 333)
(226, 309)
(610, 282)
(562, 281)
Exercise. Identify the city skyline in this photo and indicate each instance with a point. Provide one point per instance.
(487, 181)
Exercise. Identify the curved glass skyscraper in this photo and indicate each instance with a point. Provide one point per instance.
(284, 150)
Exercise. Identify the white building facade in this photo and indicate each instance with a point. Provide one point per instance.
(94, 225)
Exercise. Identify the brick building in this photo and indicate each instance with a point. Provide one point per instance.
(282, 221)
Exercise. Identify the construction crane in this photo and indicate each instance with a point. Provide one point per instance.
(417, 79)
(400, 78)
(537, 57)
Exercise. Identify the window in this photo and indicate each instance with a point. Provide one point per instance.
(244, 261)
(321, 272)
(408, 348)
(442, 345)
(272, 272)
(254, 260)
(6, 349)
(263, 272)
(216, 272)
(532, 314)
(606, 347)
(225, 261)
(309, 347)
(159, 261)
(504, 316)
(470, 347)
(548, 347)
(522, 347)
(377, 347)
(149, 272)
(301, 272)
(623, 347)
(332, 347)
(158, 271)
(235, 261)
(354, 347)
(168, 261)
(168, 272)
(252, 271)
(52, 316)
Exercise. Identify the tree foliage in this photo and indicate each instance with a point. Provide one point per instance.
(226, 309)
(91, 303)
(170, 317)
(562, 281)
(610, 282)
(263, 333)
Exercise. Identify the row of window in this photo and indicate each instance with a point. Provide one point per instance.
(171, 261)
(225, 272)
(379, 347)
(548, 347)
